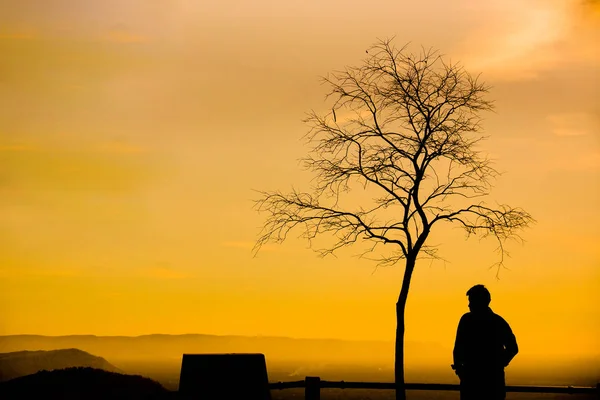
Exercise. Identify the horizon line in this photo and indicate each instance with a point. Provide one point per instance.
(204, 334)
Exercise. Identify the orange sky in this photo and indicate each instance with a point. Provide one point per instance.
(132, 134)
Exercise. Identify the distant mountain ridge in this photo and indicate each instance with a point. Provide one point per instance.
(173, 346)
(21, 363)
(194, 335)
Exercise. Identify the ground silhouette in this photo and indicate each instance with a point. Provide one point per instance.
(81, 383)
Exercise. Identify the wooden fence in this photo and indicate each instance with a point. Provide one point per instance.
(312, 387)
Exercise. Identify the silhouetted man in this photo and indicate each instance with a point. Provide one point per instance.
(484, 346)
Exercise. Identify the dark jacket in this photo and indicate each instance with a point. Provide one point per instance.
(484, 340)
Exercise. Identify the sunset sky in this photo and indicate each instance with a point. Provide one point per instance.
(133, 133)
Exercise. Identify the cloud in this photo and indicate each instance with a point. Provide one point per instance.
(573, 124)
(124, 36)
(120, 148)
(246, 245)
(76, 161)
(17, 147)
(105, 147)
(119, 35)
(528, 37)
(163, 272)
(238, 245)
(109, 169)
(160, 271)
(552, 153)
(27, 35)
(9, 273)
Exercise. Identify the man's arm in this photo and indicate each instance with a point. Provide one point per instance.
(510, 344)
(459, 344)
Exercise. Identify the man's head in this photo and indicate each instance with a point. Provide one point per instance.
(479, 298)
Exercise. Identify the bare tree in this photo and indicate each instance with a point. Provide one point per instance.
(405, 129)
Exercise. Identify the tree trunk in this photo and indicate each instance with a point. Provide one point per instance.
(399, 353)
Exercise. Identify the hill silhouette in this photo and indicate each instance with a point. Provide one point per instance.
(81, 383)
(21, 363)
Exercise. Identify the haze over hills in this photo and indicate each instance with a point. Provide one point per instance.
(21, 363)
(159, 357)
(167, 346)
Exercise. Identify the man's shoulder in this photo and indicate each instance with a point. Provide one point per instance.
(466, 316)
(500, 321)
(498, 317)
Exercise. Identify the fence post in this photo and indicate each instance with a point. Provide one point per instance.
(312, 388)
(598, 391)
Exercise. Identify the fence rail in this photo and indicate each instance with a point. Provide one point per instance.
(313, 386)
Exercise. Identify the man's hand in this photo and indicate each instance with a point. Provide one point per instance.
(458, 369)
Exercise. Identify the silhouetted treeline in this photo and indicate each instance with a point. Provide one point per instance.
(81, 383)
